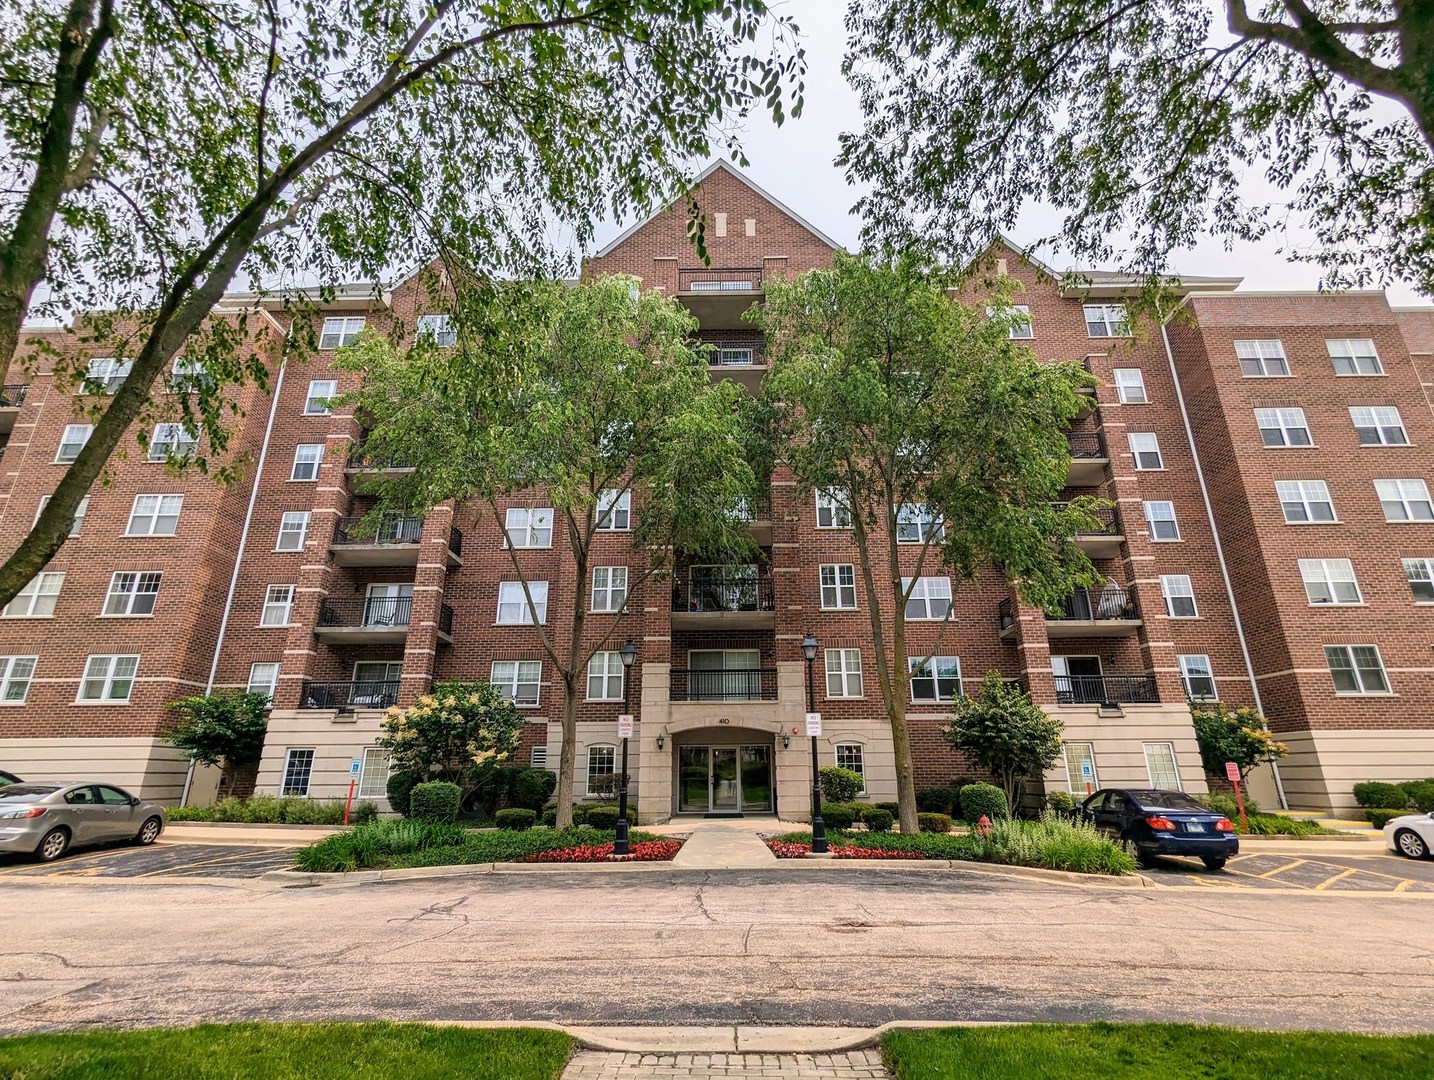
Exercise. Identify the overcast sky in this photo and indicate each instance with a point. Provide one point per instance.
(795, 164)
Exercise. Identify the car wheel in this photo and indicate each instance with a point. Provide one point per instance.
(52, 845)
(1133, 850)
(1213, 862)
(149, 831)
(1410, 843)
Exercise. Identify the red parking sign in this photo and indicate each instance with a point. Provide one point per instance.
(1232, 772)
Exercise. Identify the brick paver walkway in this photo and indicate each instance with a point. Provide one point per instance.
(854, 1065)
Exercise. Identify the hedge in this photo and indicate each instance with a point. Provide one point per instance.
(877, 819)
(978, 800)
(841, 785)
(515, 817)
(934, 823)
(1381, 818)
(1376, 795)
(839, 815)
(436, 801)
(938, 800)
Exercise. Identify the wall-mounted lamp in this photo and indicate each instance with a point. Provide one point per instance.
(786, 741)
(661, 739)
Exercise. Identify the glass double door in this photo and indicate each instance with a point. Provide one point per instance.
(724, 779)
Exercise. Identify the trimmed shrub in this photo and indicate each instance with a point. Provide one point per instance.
(580, 814)
(1376, 794)
(938, 800)
(877, 819)
(841, 785)
(532, 788)
(400, 785)
(987, 799)
(839, 815)
(1062, 802)
(516, 817)
(1421, 794)
(892, 808)
(437, 801)
(550, 816)
(934, 823)
(603, 817)
(1381, 818)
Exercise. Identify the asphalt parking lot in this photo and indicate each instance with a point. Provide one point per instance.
(159, 861)
(1312, 872)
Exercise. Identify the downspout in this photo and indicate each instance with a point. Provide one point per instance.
(1215, 535)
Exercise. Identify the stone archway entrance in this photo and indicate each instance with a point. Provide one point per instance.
(724, 772)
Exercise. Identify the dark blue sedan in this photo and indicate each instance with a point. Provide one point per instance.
(1151, 822)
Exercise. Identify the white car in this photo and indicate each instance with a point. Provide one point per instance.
(1411, 835)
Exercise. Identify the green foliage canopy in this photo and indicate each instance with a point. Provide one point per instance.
(1003, 731)
(225, 729)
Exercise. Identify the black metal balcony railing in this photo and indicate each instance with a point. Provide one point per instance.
(361, 457)
(1006, 613)
(756, 508)
(367, 694)
(1109, 522)
(749, 684)
(1109, 602)
(376, 612)
(455, 540)
(391, 530)
(724, 588)
(445, 620)
(1106, 690)
(719, 281)
(1086, 444)
(734, 353)
(12, 395)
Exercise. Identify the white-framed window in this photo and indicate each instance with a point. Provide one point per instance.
(132, 593)
(849, 756)
(293, 530)
(1378, 425)
(1262, 359)
(1356, 669)
(838, 586)
(172, 440)
(1354, 356)
(605, 673)
(1420, 575)
(1179, 596)
(1078, 754)
(438, 327)
(105, 375)
(307, 459)
(37, 599)
(318, 401)
(602, 762)
(529, 527)
(108, 678)
(915, 524)
(609, 588)
(1198, 676)
(513, 607)
(1283, 427)
(1405, 500)
(1330, 581)
(1130, 386)
(187, 375)
(339, 332)
(154, 515)
(373, 773)
(930, 597)
(80, 512)
(843, 673)
(278, 606)
(298, 770)
(833, 509)
(937, 678)
(1160, 766)
(1305, 501)
(1106, 320)
(1160, 520)
(263, 678)
(1021, 328)
(1145, 448)
(614, 511)
(518, 680)
(73, 441)
(15, 675)
(538, 757)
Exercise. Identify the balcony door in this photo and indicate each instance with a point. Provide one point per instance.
(388, 604)
(725, 674)
(1078, 679)
(376, 683)
(723, 588)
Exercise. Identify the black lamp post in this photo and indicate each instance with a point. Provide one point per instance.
(628, 652)
(819, 829)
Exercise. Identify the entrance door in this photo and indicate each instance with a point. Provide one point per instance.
(693, 780)
(1078, 679)
(388, 604)
(726, 790)
(756, 779)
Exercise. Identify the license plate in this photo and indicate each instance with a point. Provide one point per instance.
(1194, 826)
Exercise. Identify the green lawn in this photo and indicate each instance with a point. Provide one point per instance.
(1151, 1052)
(283, 1051)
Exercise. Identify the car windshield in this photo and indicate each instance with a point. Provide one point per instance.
(20, 791)
(1167, 800)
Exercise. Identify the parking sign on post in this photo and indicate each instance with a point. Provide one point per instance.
(624, 726)
(814, 724)
(1232, 773)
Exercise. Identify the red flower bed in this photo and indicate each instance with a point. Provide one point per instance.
(645, 851)
(785, 850)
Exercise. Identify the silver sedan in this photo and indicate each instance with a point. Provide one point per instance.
(45, 818)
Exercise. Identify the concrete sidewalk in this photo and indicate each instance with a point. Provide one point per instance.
(723, 847)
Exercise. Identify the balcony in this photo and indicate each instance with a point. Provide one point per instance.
(373, 620)
(757, 512)
(378, 694)
(742, 361)
(751, 684)
(1106, 690)
(1089, 459)
(718, 298)
(12, 396)
(1108, 612)
(372, 465)
(724, 598)
(1104, 541)
(393, 543)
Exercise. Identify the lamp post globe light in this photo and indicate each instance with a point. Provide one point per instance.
(819, 829)
(628, 653)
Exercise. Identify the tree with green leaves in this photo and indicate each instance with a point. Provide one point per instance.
(1003, 731)
(938, 439)
(221, 729)
(156, 153)
(1237, 734)
(579, 395)
(458, 729)
(1148, 120)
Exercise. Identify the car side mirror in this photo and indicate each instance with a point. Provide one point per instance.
(134, 800)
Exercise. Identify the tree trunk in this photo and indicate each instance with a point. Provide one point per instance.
(567, 760)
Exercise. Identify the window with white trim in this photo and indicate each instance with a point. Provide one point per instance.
(609, 588)
(833, 509)
(1304, 501)
(172, 441)
(1130, 386)
(188, 375)
(80, 512)
(439, 328)
(1405, 500)
(1330, 581)
(602, 763)
(108, 678)
(605, 672)
(1262, 359)
(614, 511)
(154, 515)
(1198, 676)
(930, 597)
(293, 530)
(15, 675)
(105, 375)
(1179, 596)
(1019, 327)
(278, 606)
(298, 771)
(1106, 320)
(263, 678)
(838, 582)
(513, 607)
(529, 527)
(916, 524)
(1378, 425)
(307, 459)
(849, 756)
(1283, 427)
(1160, 766)
(132, 593)
(538, 757)
(373, 774)
(1145, 448)
(1356, 669)
(319, 400)
(843, 673)
(37, 599)
(1354, 356)
(517, 680)
(936, 678)
(1160, 520)
(73, 441)
(1076, 755)
(340, 332)
(1420, 575)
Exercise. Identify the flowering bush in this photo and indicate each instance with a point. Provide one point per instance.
(450, 731)
(644, 851)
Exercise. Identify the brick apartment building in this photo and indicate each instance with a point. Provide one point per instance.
(1272, 542)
